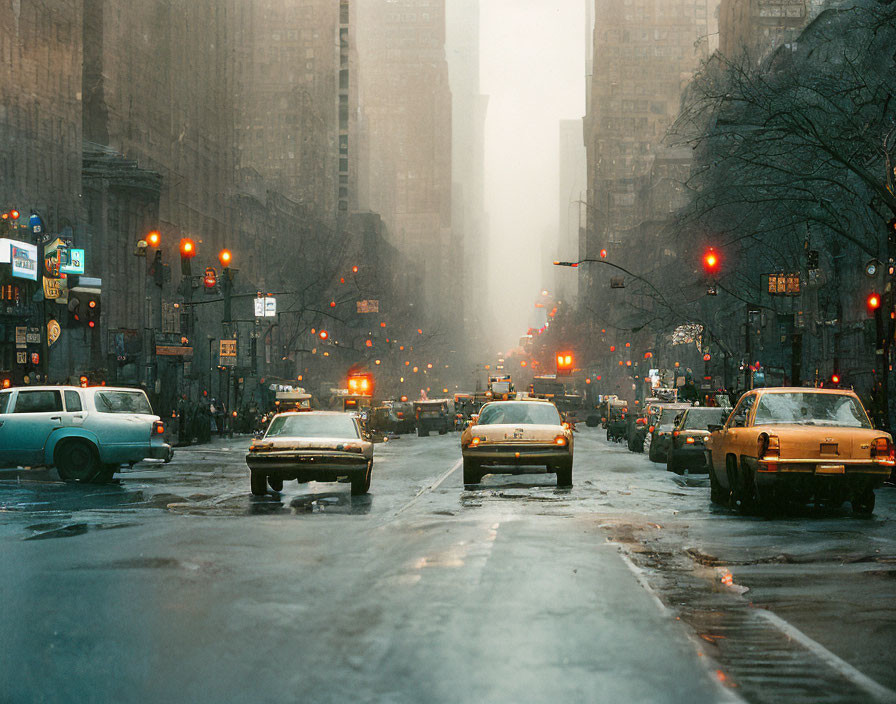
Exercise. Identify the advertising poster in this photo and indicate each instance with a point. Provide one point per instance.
(24, 260)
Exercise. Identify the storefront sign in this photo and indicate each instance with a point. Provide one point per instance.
(168, 351)
(53, 331)
(228, 348)
(53, 288)
(71, 261)
(21, 334)
(21, 357)
(32, 336)
(24, 260)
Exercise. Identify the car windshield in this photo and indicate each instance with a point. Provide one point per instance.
(838, 410)
(311, 426)
(702, 418)
(122, 402)
(520, 413)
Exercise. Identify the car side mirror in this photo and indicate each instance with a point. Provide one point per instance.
(713, 428)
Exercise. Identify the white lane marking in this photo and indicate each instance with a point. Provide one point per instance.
(876, 690)
(431, 487)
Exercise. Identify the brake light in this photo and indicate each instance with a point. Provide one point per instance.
(676, 433)
(651, 429)
(560, 440)
(474, 442)
(769, 453)
(883, 452)
(689, 440)
(158, 428)
(400, 414)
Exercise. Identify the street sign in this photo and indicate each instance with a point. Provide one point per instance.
(266, 307)
(71, 261)
(228, 348)
(21, 337)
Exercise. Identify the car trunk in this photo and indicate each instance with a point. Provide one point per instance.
(518, 433)
(812, 442)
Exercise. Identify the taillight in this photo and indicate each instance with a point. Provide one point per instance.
(883, 452)
(676, 433)
(689, 440)
(560, 440)
(651, 429)
(158, 428)
(474, 442)
(769, 451)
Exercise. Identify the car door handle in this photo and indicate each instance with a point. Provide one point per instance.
(55, 417)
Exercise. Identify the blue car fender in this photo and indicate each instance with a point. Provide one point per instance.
(61, 434)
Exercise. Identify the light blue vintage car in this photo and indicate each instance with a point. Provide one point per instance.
(86, 433)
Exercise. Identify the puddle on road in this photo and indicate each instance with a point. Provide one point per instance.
(148, 563)
(45, 531)
(336, 503)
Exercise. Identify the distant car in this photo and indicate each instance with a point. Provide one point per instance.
(782, 445)
(319, 446)
(637, 435)
(686, 449)
(509, 435)
(617, 421)
(395, 418)
(86, 433)
(660, 431)
(435, 415)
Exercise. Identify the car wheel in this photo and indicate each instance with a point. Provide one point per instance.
(564, 474)
(472, 471)
(107, 473)
(673, 465)
(863, 504)
(716, 493)
(361, 481)
(443, 431)
(422, 433)
(258, 483)
(77, 461)
(275, 484)
(608, 436)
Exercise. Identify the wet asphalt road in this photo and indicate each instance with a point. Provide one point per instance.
(175, 584)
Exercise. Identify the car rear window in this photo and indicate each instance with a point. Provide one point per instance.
(520, 413)
(122, 402)
(311, 426)
(807, 408)
(702, 418)
(38, 402)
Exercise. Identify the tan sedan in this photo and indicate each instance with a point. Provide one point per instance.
(798, 444)
(317, 446)
(509, 435)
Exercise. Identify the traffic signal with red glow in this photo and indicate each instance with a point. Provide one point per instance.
(603, 254)
(711, 262)
(187, 252)
(565, 363)
(93, 311)
(154, 239)
(873, 303)
(360, 384)
(225, 256)
(323, 335)
(707, 357)
(835, 379)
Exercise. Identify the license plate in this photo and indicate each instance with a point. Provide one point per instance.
(831, 469)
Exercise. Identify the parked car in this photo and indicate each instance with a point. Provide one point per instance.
(617, 420)
(509, 435)
(660, 433)
(394, 418)
(85, 433)
(319, 446)
(436, 415)
(798, 445)
(637, 433)
(686, 448)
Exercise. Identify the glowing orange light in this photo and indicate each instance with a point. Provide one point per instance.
(873, 301)
(382, 325)
(354, 270)
(332, 304)
(6, 383)
(187, 248)
(612, 348)
(154, 238)
(14, 214)
(323, 335)
(225, 256)
(603, 254)
(369, 343)
(419, 331)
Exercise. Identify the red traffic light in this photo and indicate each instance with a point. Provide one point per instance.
(873, 302)
(707, 357)
(225, 256)
(14, 214)
(835, 378)
(323, 335)
(83, 381)
(603, 254)
(154, 239)
(187, 248)
(354, 269)
(711, 261)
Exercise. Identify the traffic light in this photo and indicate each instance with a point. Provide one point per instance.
(707, 357)
(565, 363)
(323, 335)
(154, 239)
(603, 254)
(711, 262)
(187, 252)
(225, 256)
(74, 310)
(873, 303)
(835, 379)
(93, 311)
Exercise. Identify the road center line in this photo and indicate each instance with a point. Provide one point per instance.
(431, 487)
(876, 690)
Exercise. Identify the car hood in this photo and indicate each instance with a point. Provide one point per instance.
(525, 432)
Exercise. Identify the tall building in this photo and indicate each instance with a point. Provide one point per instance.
(406, 114)
(645, 51)
(468, 114)
(572, 212)
(293, 86)
(757, 27)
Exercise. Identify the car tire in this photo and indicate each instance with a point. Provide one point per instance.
(361, 481)
(472, 471)
(258, 483)
(716, 493)
(77, 461)
(564, 474)
(673, 465)
(443, 432)
(863, 504)
(107, 473)
(422, 433)
(275, 484)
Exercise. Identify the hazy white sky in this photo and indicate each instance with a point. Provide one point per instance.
(533, 70)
